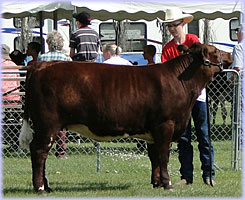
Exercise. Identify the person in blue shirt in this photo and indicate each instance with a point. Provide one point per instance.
(55, 45)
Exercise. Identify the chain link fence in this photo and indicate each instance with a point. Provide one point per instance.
(224, 107)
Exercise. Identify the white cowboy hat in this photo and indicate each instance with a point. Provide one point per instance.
(174, 14)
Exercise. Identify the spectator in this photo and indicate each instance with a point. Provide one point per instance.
(85, 41)
(111, 54)
(237, 65)
(237, 54)
(9, 87)
(33, 50)
(149, 53)
(175, 21)
(55, 44)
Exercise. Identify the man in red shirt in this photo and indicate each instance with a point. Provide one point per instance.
(175, 21)
(175, 24)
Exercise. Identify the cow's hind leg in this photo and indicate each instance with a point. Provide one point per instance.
(223, 110)
(162, 142)
(39, 148)
(215, 108)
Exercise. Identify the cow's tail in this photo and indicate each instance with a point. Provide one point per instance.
(26, 134)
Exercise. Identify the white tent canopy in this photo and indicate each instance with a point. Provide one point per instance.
(151, 9)
(62, 10)
(120, 9)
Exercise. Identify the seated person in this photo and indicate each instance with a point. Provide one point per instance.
(33, 50)
(111, 54)
(149, 53)
(9, 87)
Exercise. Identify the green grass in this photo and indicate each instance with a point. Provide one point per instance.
(123, 173)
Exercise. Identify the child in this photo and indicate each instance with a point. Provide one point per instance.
(149, 53)
(33, 50)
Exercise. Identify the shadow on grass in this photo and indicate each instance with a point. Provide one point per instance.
(14, 190)
(69, 187)
(91, 186)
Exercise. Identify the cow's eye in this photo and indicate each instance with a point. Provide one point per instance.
(215, 56)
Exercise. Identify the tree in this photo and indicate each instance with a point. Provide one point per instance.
(164, 31)
(121, 30)
(26, 36)
(207, 32)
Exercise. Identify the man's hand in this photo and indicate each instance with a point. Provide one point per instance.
(237, 69)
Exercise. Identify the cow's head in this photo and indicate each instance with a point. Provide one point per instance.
(210, 55)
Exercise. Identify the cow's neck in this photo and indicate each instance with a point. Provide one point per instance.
(192, 74)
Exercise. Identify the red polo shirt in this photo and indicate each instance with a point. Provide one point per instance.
(170, 50)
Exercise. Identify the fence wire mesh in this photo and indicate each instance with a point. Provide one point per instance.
(221, 101)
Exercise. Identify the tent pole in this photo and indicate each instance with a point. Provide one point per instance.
(74, 20)
(41, 32)
(55, 20)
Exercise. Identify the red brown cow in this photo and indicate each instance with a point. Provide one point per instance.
(104, 101)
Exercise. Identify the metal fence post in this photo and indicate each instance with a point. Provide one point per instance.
(236, 129)
(98, 153)
(236, 123)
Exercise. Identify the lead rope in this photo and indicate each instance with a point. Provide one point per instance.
(10, 91)
(209, 138)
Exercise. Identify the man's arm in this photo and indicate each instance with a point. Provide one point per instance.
(72, 52)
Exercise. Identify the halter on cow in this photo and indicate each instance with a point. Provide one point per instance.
(104, 101)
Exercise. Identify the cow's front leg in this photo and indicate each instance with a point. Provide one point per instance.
(155, 165)
(163, 138)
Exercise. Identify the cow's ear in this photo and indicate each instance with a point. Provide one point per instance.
(205, 52)
(183, 49)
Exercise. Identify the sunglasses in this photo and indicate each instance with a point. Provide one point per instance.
(174, 25)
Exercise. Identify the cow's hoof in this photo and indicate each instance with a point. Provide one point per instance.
(41, 192)
(169, 187)
(48, 189)
(156, 185)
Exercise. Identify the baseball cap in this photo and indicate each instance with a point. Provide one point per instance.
(82, 17)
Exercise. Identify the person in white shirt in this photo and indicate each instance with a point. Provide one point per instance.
(111, 54)
(237, 55)
(237, 65)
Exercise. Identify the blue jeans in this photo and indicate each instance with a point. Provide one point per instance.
(199, 115)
